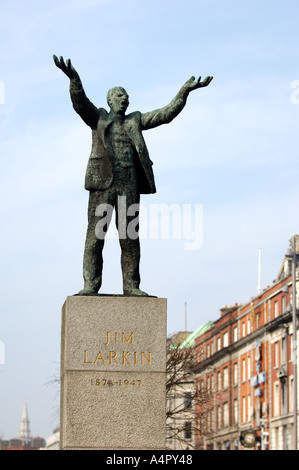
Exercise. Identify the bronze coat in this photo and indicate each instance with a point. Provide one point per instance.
(99, 173)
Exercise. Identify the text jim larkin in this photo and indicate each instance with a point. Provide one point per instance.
(120, 357)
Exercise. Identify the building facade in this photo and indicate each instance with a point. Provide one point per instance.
(246, 369)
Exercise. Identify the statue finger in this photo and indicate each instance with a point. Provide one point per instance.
(62, 64)
(55, 58)
(206, 81)
(191, 80)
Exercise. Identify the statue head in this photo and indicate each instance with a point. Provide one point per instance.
(118, 100)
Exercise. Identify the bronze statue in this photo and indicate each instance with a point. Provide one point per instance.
(118, 171)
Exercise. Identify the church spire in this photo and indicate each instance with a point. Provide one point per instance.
(24, 426)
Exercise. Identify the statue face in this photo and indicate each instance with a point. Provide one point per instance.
(119, 101)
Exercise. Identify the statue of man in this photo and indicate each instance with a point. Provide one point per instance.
(118, 171)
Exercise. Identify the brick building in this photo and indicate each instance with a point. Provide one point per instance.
(245, 367)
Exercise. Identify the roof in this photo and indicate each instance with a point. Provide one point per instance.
(190, 340)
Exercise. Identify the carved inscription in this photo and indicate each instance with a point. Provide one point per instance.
(109, 356)
(108, 382)
(124, 339)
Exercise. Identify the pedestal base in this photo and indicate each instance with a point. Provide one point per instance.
(113, 365)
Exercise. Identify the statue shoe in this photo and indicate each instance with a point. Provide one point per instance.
(87, 292)
(134, 291)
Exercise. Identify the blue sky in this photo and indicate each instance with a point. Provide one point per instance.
(233, 150)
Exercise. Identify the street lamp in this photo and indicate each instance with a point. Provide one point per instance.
(291, 254)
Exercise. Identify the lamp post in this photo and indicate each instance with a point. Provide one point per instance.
(291, 254)
(294, 262)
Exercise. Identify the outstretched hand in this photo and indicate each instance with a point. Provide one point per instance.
(66, 67)
(193, 84)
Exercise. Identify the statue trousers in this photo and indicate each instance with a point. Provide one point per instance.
(123, 197)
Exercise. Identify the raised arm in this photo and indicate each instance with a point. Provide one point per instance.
(169, 112)
(86, 110)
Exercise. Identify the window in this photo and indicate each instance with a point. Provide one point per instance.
(188, 431)
(276, 399)
(284, 304)
(283, 397)
(225, 415)
(276, 354)
(218, 343)
(225, 339)
(235, 373)
(285, 437)
(210, 420)
(276, 438)
(291, 394)
(235, 334)
(208, 384)
(243, 329)
(225, 377)
(269, 310)
(283, 351)
(276, 308)
(219, 416)
(291, 434)
(201, 386)
(248, 326)
(243, 370)
(235, 411)
(248, 367)
(187, 399)
(243, 409)
(219, 381)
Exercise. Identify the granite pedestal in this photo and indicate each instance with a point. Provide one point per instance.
(113, 367)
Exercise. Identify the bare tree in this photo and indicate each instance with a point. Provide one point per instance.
(190, 402)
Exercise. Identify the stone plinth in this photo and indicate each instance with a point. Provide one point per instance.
(113, 366)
